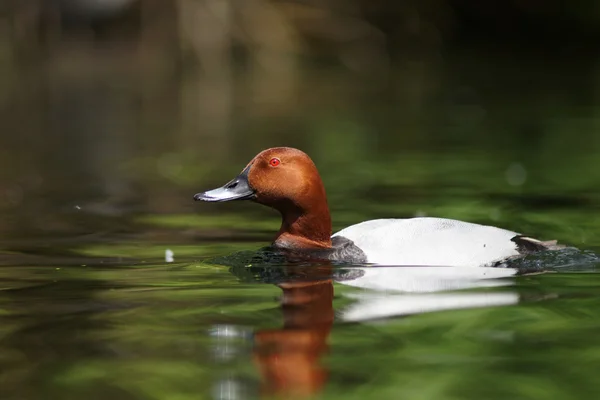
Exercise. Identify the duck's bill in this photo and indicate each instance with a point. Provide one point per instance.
(236, 189)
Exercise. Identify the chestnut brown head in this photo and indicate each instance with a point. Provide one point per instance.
(287, 180)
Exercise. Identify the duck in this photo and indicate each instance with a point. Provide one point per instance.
(287, 180)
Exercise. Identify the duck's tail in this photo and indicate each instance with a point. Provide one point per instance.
(527, 245)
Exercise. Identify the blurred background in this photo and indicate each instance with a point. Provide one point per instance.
(115, 112)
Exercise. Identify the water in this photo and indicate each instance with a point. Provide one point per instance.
(97, 174)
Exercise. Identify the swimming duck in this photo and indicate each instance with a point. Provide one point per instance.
(287, 180)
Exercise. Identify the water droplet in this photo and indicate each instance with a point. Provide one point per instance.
(169, 255)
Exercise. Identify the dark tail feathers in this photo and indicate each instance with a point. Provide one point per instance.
(527, 245)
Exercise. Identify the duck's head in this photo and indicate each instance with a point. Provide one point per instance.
(287, 180)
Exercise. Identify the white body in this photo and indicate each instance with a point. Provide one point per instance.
(431, 242)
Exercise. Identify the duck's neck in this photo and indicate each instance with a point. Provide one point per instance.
(305, 227)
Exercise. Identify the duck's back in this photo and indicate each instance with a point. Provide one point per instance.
(431, 241)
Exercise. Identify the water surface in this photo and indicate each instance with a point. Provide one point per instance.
(97, 176)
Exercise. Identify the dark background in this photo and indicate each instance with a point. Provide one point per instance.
(117, 111)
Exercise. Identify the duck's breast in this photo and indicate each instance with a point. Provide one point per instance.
(430, 241)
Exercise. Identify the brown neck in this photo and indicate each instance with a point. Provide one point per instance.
(305, 227)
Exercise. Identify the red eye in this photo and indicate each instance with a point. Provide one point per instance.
(274, 162)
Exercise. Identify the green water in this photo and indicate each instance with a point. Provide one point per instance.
(98, 173)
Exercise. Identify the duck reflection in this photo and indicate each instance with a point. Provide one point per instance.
(290, 358)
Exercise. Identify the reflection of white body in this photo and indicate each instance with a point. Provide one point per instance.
(378, 306)
(429, 279)
(386, 283)
(431, 241)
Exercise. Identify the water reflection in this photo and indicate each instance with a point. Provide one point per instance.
(421, 279)
(125, 331)
(39, 336)
(290, 358)
(383, 300)
(377, 306)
